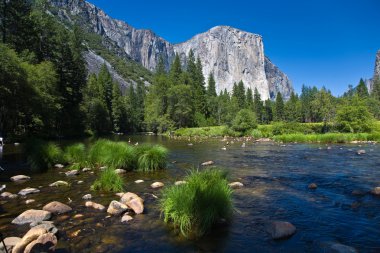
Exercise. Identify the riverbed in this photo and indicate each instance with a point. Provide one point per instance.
(275, 176)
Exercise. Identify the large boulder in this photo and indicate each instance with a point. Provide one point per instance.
(44, 243)
(29, 237)
(281, 229)
(10, 243)
(56, 207)
(20, 178)
(48, 225)
(116, 208)
(32, 215)
(133, 201)
(28, 190)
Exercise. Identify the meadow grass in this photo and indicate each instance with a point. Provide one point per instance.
(199, 204)
(42, 155)
(328, 137)
(108, 181)
(152, 159)
(213, 131)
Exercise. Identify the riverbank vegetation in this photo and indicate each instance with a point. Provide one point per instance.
(196, 206)
(108, 181)
(47, 92)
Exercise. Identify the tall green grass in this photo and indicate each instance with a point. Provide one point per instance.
(199, 204)
(108, 181)
(328, 138)
(152, 159)
(42, 155)
(202, 131)
(76, 155)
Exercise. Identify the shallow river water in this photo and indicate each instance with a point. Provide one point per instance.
(275, 178)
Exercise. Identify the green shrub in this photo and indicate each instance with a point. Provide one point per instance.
(196, 206)
(75, 153)
(152, 159)
(244, 121)
(42, 155)
(354, 118)
(108, 181)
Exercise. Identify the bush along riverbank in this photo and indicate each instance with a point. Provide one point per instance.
(286, 132)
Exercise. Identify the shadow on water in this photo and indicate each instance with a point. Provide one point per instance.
(276, 180)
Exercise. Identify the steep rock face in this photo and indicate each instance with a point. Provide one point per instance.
(377, 66)
(230, 54)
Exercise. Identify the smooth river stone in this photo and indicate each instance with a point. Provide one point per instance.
(28, 190)
(236, 185)
(281, 229)
(59, 183)
(157, 185)
(19, 178)
(32, 215)
(56, 207)
(116, 208)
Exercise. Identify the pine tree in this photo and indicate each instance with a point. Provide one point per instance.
(211, 88)
(258, 106)
(175, 71)
(249, 99)
(292, 109)
(362, 89)
(279, 108)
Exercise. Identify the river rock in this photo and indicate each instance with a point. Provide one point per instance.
(2, 187)
(116, 208)
(120, 194)
(20, 178)
(48, 225)
(332, 247)
(30, 236)
(59, 183)
(78, 216)
(80, 182)
(32, 215)
(361, 152)
(139, 181)
(120, 171)
(313, 186)
(207, 163)
(72, 173)
(376, 191)
(28, 190)
(29, 201)
(44, 243)
(236, 185)
(180, 182)
(5, 194)
(86, 169)
(157, 185)
(126, 218)
(95, 205)
(9, 242)
(56, 207)
(59, 166)
(128, 196)
(87, 196)
(281, 229)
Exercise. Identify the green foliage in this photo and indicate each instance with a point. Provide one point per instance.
(75, 154)
(42, 155)
(202, 131)
(328, 138)
(196, 206)
(244, 121)
(108, 181)
(153, 159)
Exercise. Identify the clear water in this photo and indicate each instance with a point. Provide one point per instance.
(276, 182)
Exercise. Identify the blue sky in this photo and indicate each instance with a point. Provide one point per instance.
(322, 43)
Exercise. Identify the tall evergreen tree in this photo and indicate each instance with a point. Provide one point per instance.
(211, 88)
(258, 106)
(249, 99)
(279, 108)
(362, 89)
(175, 70)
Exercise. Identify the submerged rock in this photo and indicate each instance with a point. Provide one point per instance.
(59, 183)
(87, 196)
(376, 191)
(126, 218)
(20, 178)
(32, 215)
(86, 169)
(236, 185)
(207, 163)
(9, 242)
(139, 181)
(281, 229)
(2, 187)
(180, 182)
(332, 247)
(157, 185)
(95, 205)
(116, 208)
(29, 201)
(28, 190)
(313, 186)
(361, 152)
(5, 194)
(120, 171)
(56, 207)
(72, 173)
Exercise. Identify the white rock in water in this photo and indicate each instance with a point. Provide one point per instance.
(139, 181)
(207, 163)
(28, 190)
(157, 185)
(59, 183)
(19, 178)
(236, 185)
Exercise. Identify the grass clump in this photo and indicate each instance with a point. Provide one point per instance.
(108, 181)
(152, 158)
(199, 204)
(75, 153)
(42, 155)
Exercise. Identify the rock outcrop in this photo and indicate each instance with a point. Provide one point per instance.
(229, 53)
(377, 66)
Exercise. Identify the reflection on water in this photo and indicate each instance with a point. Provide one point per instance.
(276, 180)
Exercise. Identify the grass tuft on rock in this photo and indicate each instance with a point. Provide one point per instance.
(42, 155)
(152, 158)
(108, 181)
(199, 204)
